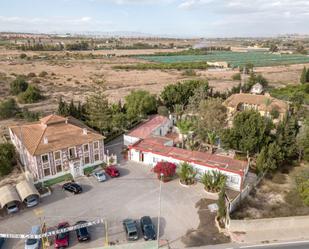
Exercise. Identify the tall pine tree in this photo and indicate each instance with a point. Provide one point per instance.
(303, 77)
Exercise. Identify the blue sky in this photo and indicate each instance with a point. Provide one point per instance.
(201, 18)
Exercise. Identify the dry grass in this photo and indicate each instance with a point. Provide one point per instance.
(274, 197)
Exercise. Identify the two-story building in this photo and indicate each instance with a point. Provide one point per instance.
(57, 145)
(264, 104)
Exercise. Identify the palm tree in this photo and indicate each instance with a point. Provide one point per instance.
(184, 127)
(211, 139)
(213, 181)
(186, 173)
(178, 110)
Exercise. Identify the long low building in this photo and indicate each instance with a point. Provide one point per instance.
(153, 149)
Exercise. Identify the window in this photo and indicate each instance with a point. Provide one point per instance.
(57, 155)
(234, 179)
(45, 165)
(72, 153)
(58, 161)
(96, 145)
(96, 156)
(86, 159)
(45, 159)
(86, 147)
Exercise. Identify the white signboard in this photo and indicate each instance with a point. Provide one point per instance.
(51, 233)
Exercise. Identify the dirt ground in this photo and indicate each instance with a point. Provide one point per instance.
(274, 197)
(75, 78)
(207, 233)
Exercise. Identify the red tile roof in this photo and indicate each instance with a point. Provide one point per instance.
(146, 128)
(229, 164)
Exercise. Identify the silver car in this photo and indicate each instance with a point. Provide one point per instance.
(31, 201)
(100, 176)
(33, 243)
(12, 207)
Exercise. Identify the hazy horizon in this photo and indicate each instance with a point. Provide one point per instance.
(169, 18)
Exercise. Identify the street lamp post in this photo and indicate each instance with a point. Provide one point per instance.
(160, 190)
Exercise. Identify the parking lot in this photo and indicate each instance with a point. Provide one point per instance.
(134, 194)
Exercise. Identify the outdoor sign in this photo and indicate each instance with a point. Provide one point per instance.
(51, 233)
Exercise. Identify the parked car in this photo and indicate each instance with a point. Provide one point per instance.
(100, 176)
(131, 229)
(31, 201)
(112, 171)
(148, 228)
(72, 187)
(12, 207)
(62, 239)
(33, 243)
(2, 240)
(82, 233)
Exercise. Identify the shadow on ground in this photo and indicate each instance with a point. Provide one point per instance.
(207, 233)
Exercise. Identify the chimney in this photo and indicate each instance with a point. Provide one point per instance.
(85, 131)
(45, 139)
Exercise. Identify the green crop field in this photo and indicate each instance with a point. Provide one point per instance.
(235, 59)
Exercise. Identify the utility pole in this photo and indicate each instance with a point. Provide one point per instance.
(106, 233)
(160, 190)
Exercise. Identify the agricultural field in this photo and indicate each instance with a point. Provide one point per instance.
(235, 59)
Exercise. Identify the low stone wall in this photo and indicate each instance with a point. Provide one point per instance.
(272, 229)
(272, 223)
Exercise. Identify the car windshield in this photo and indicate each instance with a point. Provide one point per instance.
(31, 199)
(148, 227)
(131, 234)
(100, 174)
(31, 242)
(83, 231)
(62, 235)
(11, 206)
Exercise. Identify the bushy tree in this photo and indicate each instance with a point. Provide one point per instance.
(7, 158)
(302, 184)
(162, 110)
(236, 77)
(221, 205)
(186, 173)
(140, 103)
(250, 132)
(8, 108)
(303, 142)
(31, 95)
(270, 158)
(18, 85)
(181, 92)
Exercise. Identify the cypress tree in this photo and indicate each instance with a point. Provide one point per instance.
(303, 77)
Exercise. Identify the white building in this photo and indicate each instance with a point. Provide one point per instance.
(154, 149)
(156, 125)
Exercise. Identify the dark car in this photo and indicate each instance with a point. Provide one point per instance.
(82, 233)
(72, 187)
(131, 229)
(62, 239)
(112, 171)
(2, 240)
(148, 228)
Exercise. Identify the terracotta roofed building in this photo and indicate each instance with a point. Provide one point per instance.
(57, 145)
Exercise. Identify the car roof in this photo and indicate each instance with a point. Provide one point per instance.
(146, 219)
(130, 224)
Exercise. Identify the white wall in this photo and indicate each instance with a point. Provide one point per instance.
(128, 140)
(163, 128)
(234, 181)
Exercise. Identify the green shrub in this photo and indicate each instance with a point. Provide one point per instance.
(7, 158)
(236, 76)
(43, 74)
(28, 115)
(189, 72)
(31, 95)
(18, 85)
(23, 56)
(302, 183)
(8, 108)
(31, 75)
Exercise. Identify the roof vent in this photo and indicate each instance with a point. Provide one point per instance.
(45, 140)
(85, 131)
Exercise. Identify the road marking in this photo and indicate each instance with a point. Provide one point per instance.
(38, 212)
(277, 244)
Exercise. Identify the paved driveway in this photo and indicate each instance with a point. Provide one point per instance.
(134, 194)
